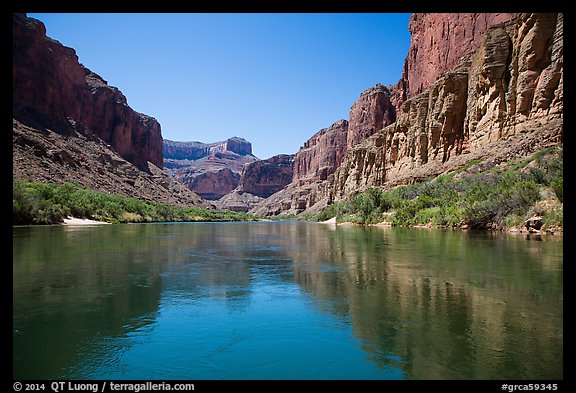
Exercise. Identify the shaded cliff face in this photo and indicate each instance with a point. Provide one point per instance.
(504, 100)
(322, 154)
(369, 114)
(265, 177)
(438, 43)
(51, 89)
(209, 185)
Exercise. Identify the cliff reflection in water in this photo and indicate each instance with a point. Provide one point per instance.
(193, 300)
(74, 288)
(441, 305)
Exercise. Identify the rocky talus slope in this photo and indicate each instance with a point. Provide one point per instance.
(81, 158)
(69, 125)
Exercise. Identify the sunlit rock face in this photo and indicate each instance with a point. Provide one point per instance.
(438, 43)
(212, 170)
(321, 154)
(369, 114)
(474, 87)
(509, 89)
(313, 163)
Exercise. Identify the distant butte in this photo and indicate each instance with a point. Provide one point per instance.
(212, 170)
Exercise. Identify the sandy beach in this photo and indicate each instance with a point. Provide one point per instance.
(81, 221)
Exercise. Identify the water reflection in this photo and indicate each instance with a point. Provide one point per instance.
(284, 300)
(71, 289)
(448, 305)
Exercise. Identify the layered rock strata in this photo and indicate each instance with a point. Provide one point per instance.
(511, 86)
(502, 100)
(323, 153)
(212, 170)
(265, 177)
(369, 114)
(177, 150)
(438, 43)
(210, 185)
(259, 180)
(315, 161)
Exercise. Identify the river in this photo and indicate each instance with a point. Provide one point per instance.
(284, 300)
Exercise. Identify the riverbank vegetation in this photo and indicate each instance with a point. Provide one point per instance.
(498, 197)
(42, 203)
(479, 196)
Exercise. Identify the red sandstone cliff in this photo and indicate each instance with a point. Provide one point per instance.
(70, 126)
(52, 89)
(322, 154)
(209, 185)
(438, 43)
(259, 180)
(369, 114)
(472, 89)
(265, 177)
(505, 99)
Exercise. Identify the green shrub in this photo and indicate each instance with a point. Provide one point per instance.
(501, 195)
(39, 203)
(558, 187)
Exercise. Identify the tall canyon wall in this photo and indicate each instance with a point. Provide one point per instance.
(69, 125)
(438, 43)
(324, 152)
(472, 88)
(52, 89)
(508, 94)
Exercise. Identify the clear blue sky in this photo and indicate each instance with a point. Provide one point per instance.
(273, 79)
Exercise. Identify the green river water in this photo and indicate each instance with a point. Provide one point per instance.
(284, 300)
